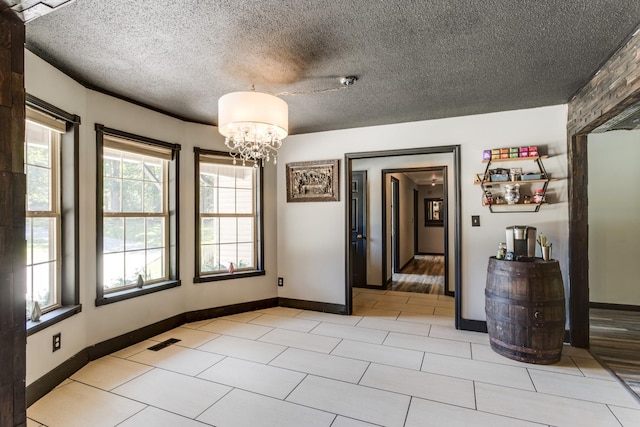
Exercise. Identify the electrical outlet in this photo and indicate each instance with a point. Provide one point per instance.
(57, 341)
(280, 281)
(475, 220)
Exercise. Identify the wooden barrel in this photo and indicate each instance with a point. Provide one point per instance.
(525, 307)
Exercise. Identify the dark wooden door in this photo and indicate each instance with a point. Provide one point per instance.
(359, 228)
(415, 222)
(395, 225)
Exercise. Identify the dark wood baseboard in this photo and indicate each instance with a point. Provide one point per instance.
(609, 306)
(51, 379)
(378, 287)
(313, 306)
(112, 345)
(211, 313)
(405, 264)
(473, 325)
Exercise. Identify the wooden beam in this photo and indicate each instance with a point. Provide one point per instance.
(13, 339)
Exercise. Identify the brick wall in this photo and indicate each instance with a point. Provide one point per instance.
(614, 87)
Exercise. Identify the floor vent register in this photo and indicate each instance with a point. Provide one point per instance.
(163, 344)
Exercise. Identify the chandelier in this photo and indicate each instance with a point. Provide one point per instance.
(254, 125)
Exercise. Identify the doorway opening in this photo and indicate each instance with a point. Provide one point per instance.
(584, 122)
(417, 230)
(614, 303)
(406, 159)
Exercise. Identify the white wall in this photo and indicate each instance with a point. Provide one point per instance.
(430, 239)
(375, 240)
(405, 221)
(96, 324)
(311, 236)
(614, 222)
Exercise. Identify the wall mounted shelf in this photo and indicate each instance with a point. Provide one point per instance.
(486, 185)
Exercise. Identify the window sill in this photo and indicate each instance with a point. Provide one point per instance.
(136, 292)
(52, 317)
(228, 276)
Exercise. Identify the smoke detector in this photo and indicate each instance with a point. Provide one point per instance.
(348, 81)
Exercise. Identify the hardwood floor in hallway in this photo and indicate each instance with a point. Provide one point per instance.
(424, 274)
(615, 340)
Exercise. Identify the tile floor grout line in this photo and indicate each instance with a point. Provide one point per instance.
(147, 405)
(284, 399)
(406, 414)
(407, 394)
(131, 416)
(210, 406)
(509, 362)
(475, 397)
(514, 418)
(424, 356)
(582, 376)
(209, 367)
(440, 338)
(614, 415)
(335, 346)
(111, 390)
(363, 373)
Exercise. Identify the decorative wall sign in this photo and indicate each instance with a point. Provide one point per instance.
(316, 181)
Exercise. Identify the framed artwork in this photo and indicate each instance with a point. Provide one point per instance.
(433, 212)
(316, 181)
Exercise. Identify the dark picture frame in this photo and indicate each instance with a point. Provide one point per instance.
(434, 212)
(313, 181)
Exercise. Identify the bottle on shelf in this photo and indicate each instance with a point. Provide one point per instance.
(538, 195)
(512, 193)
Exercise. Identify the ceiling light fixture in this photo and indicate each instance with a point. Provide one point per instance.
(254, 125)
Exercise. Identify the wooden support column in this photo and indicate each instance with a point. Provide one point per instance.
(12, 222)
(615, 87)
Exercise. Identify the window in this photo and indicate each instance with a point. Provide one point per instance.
(228, 222)
(42, 215)
(51, 213)
(137, 231)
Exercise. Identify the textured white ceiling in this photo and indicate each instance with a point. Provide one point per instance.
(415, 60)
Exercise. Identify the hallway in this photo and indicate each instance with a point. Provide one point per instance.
(424, 274)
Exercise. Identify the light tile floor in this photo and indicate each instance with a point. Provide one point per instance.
(398, 361)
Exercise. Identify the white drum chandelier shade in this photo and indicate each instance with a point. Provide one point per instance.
(253, 124)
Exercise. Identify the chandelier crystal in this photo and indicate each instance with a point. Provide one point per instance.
(254, 125)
